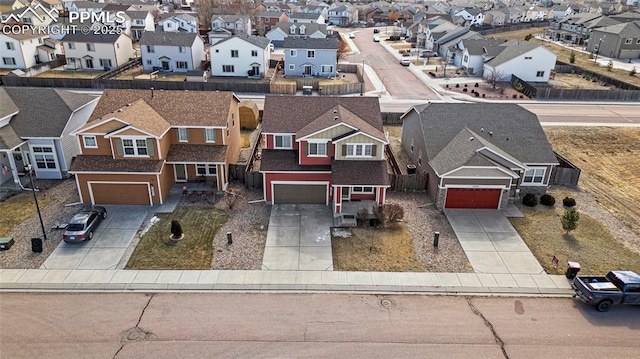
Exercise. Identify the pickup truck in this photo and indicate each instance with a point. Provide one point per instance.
(617, 287)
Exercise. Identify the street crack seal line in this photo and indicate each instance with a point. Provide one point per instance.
(490, 326)
(136, 334)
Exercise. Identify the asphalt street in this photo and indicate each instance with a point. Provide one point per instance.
(170, 325)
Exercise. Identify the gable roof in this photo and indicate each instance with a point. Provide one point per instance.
(178, 108)
(625, 29)
(77, 36)
(512, 49)
(310, 28)
(160, 38)
(143, 117)
(304, 15)
(509, 128)
(294, 42)
(7, 107)
(43, 112)
(481, 46)
(339, 114)
(259, 41)
(290, 114)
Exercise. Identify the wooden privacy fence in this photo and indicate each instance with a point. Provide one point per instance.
(253, 179)
(414, 182)
(391, 118)
(565, 174)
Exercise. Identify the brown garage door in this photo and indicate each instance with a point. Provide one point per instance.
(299, 193)
(472, 198)
(112, 193)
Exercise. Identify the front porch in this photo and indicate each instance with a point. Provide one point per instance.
(348, 217)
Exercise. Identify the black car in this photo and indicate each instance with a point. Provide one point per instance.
(84, 223)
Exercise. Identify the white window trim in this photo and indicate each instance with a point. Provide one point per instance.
(364, 146)
(326, 148)
(46, 156)
(207, 167)
(275, 146)
(293, 53)
(362, 191)
(135, 147)
(186, 133)
(207, 139)
(533, 176)
(84, 140)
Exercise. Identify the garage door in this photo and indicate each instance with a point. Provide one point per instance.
(472, 198)
(299, 193)
(111, 193)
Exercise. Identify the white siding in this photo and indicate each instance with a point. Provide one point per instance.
(69, 143)
(526, 69)
(241, 64)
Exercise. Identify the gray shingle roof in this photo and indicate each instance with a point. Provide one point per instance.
(304, 15)
(137, 14)
(508, 127)
(260, 41)
(308, 28)
(7, 107)
(330, 43)
(478, 46)
(168, 38)
(625, 29)
(92, 38)
(512, 49)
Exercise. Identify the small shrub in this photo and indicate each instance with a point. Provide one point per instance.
(515, 96)
(477, 94)
(632, 72)
(361, 217)
(476, 85)
(483, 96)
(568, 202)
(464, 90)
(570, 220)
(230, 199)
(176, 229)
(547, 200)
(530, 200)
(610, 65)
(393, 213)
(572, 57)
(521, 96)
(528, 37)
(465, 85)
(457, 85)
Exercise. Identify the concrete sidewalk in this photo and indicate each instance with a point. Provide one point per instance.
(283, 281)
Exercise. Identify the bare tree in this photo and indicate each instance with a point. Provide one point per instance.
(206, 9)
(496, 77)
(342, 49)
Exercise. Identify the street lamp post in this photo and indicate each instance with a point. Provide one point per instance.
(362, 84)
(598, 50)
(35, 198)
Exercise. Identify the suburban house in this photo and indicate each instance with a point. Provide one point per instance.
(139, 143)
(172, 51)
(472, 17)
(26, 139)
(324, 150)
(141, 21)
(310, 57)
(26, 49)
(528, 61)
(237, 24)
(178, 22)
(35, 15)
(244, 56)
(267, 19)
(477, 155)
(96, 52)
(475, 52)
(342, 14)
(576, 29)
(306, 18)
(283, 30)
(620, 41)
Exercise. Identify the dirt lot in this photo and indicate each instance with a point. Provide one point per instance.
(610, 162)
(395, 138)
(503, 91)
(518, 34)
(575, 81)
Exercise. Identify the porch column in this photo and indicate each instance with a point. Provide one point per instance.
(337, 199)
(382, 193)
(13, 168)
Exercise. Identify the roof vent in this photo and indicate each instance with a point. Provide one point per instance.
(335, 111)
(481, 129)
(336, 118)
(128, 104)
(490, 133)
(470, 138)
(120, 110)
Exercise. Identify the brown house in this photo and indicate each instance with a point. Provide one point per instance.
(139, 143)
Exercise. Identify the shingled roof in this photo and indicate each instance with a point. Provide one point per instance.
(330, 43)
(176, 38)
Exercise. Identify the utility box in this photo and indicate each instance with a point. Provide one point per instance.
(307, 90)
(6, 243)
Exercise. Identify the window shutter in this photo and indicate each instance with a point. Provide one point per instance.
(344, 150)
(150, 147)
(119, 149)
(373, 150)
(204, 134)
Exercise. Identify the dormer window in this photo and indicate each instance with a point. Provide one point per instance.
(360, 150)
(318, 149)
(292, 30)
(282, 142)
(302, 28)
(135, 147)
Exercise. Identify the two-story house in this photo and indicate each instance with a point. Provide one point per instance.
(172, 51)
(526, 60)
(324, 150)
(178, 22)
(283, 30)
(241, 56)
(26, 49)
(141, 21)
(342, 14)
(306, 18)
(265, 20)
(140, 143)
(475, 52)
(620, 41)
(310, 57)
(96, 52)
(237, 24)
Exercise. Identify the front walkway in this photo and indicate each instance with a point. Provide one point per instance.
(491, 243)
(299, 238)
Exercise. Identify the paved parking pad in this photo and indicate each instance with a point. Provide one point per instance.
(491, 243)
(111, 240)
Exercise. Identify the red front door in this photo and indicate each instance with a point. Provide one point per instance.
(472, 198)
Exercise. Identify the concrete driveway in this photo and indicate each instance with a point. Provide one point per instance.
(110, 241)
(491, 243)
(299, 238)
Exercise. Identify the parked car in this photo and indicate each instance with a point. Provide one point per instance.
(376, 38)
(428, 54)
(352, 35)
(617, 287)
(376, 30)
(84, 223)
(405, 62)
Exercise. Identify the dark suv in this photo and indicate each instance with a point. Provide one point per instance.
(84, 223)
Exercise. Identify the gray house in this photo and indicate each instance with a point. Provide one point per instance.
(477, 155)
(310, 57)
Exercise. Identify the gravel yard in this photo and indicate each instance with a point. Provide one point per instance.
(20, 254)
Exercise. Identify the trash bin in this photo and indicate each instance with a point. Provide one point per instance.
(36, 245)
(411, 169)
(572, 269)
(307, 90)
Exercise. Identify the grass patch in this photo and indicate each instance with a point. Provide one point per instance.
(376, 250)
(195, 251)
(245, 138)
(69, 74)
(591, 244)
(17, 209)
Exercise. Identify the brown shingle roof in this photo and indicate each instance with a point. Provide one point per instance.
(336, 115)
(83, 163)
(197, 153)
(359, 173)
(286, 160)
(179, 108)
(141, 116)
(289, 114)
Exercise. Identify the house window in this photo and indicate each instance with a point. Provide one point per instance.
(10, 46)
(228, 68)
(44, 157)
(292, 67)
(534, 175)
(234, 53)
(282, 142)
(327, 68)
(528, 57)
(293, 53)
(233, 120)
(228, 132)
(317, 149)
(149, 62)
(71, 46)
(311, 54)
(181, 64)
(209, 135)
(151, 49)
(9, 60)
(183, 134)
(466, 58)
(292, 30)
(420, 158)
(134, 147)
(206, 169)
(89, 63)
(181, 49)
(359, 150)
(91, 47)
(362, 190)
(254, 53)
(628, 41)
(90, 141)
(540, 74)
(638, 41)
(105, 62)
(411, 144)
